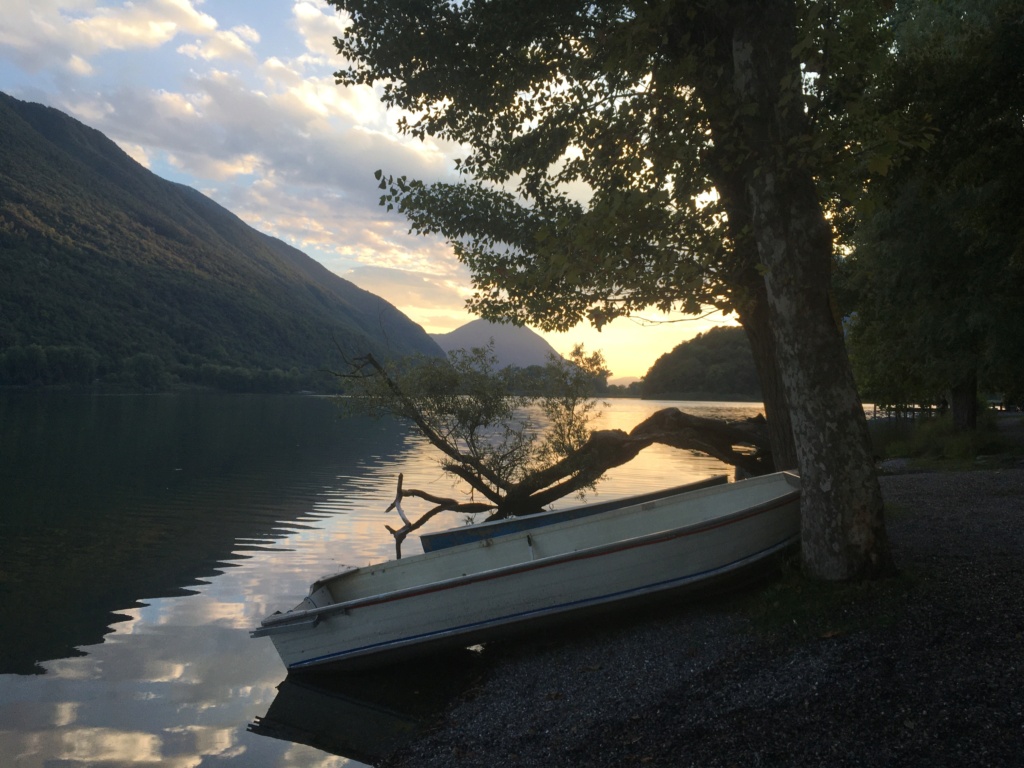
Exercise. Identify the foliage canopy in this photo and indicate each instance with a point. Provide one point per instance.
(935, 278)
(593, 186)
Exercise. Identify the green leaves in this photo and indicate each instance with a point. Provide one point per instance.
(495, 428)
(584, 144)
(936, 286)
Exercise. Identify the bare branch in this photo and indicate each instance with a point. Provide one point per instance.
(441, 505)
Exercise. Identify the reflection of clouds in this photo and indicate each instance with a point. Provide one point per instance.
(165, 672)
(199, 612)
(167, 694)
(301, 756)
(206, 740)
(84, 668)
(94, 745)
(65, 713)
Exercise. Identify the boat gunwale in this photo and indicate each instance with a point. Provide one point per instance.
(283, 619)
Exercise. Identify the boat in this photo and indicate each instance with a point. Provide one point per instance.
(469, 593)
(435, 540)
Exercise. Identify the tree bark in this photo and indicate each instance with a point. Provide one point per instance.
(750, 298)
(843, 531)
(754, 317)
(963, 402)
(716, 438)
(746, 285)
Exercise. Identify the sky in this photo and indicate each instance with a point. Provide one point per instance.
(238, 100)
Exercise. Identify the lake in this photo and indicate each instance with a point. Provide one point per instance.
(142, 537)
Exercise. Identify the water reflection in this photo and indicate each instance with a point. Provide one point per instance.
(189, 519)
(110, 499)
(365, 716)
(173, 685)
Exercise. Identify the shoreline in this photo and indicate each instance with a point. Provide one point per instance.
(923, 669)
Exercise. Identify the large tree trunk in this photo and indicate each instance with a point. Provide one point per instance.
(747, 290)
(754, 316)
(843, 530)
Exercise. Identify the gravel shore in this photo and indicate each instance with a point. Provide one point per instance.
(926, 669)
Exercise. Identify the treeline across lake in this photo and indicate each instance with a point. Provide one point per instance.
(716, 365)
(76, 367)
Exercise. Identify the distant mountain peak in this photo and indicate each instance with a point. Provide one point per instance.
(513, 345)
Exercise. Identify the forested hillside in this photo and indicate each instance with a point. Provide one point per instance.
(717, 365)
(112, 275)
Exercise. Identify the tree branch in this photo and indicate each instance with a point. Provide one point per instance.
(441, 505)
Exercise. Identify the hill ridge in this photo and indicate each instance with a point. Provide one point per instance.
(513, 345)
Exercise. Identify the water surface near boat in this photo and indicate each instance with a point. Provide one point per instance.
(142, 537)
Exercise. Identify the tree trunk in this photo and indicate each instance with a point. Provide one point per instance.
(755, 321)
(843, 531)
(963, 402)
(748, 293)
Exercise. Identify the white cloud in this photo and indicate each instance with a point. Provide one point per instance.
(232, 44)
(138, 153)
(139, 25)
(79, 66)
(34, 29)
(435, 299)
(319, 25)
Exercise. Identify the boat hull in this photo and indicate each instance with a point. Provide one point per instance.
(474, 592)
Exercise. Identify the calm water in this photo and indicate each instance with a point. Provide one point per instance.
(141, 537)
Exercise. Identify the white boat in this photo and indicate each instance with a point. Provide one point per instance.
(472, 592)
(450, 537)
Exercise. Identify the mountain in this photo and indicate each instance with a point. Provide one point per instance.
(111, 273)
(516, 346)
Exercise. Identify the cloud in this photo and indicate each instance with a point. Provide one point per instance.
(319, 25)
(34, 29)
(440, 289)
(232, 44)
(430, 298)
(140, 24)
(76, 65)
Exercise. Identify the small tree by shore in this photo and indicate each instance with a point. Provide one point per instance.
(520, 451)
